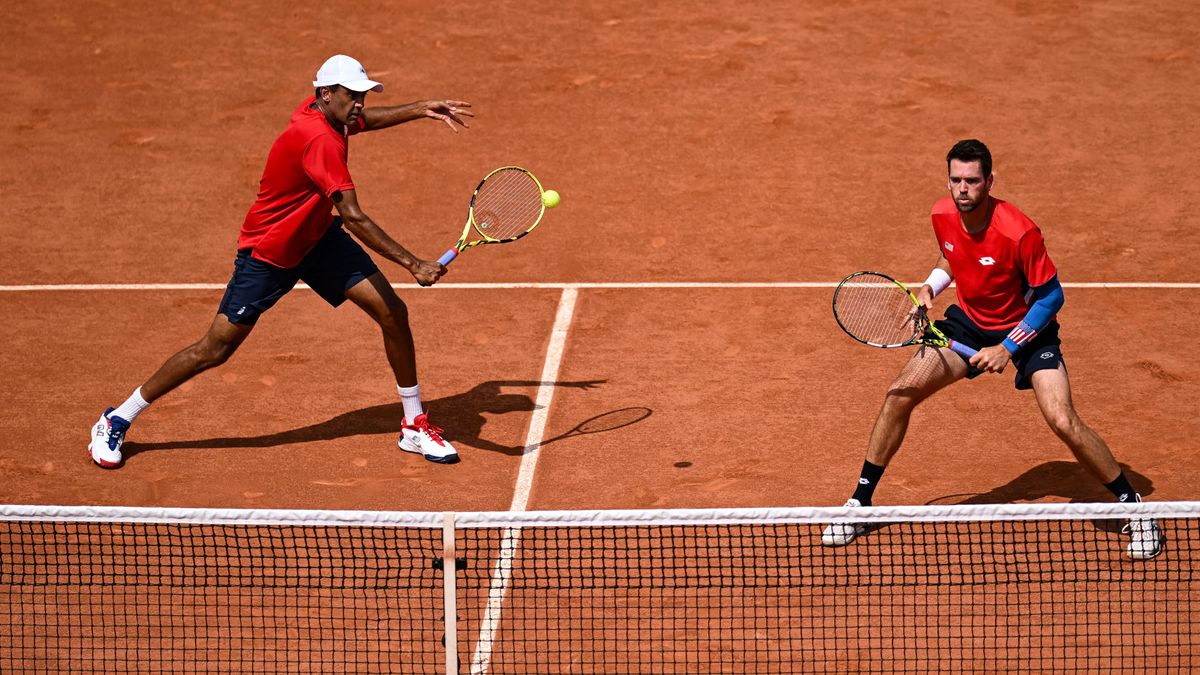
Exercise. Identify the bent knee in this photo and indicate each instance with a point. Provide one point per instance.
(212, 353)
(394, 316)
(1065, 423)
(901, 398)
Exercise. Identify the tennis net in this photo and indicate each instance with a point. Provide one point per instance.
(985, 588)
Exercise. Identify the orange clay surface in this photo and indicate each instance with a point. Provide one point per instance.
(771, 141)
(723, 141)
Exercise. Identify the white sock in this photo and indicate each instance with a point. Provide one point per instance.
(132, 407)
(411, 398)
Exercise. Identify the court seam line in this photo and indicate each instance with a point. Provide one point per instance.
(29, 288)
(529, 457)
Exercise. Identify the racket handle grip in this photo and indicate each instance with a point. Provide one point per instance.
(963, 349)
(448, 256)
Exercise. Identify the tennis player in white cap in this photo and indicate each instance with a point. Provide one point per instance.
(291, 234)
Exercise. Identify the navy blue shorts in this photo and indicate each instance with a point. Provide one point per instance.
(1044, 352)
(331, 268)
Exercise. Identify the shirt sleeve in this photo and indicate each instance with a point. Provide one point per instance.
(325, 164)
(1035, 261)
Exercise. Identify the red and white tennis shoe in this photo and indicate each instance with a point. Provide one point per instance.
(423, 438)
(108, 435)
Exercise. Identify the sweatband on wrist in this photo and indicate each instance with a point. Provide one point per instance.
(938, 280)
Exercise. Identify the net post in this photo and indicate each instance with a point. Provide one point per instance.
(449, 593)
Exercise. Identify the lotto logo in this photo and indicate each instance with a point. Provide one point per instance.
(1047, 355)
(863, 481)
(987, 260)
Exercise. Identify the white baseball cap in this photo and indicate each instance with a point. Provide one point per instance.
(348, 72)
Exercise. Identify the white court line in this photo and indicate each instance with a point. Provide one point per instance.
(562, 286)
(541, 408)
(533, 445)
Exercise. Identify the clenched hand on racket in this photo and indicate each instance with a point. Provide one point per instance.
(992, 359)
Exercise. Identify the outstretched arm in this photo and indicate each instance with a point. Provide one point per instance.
(450, 112)
(426, 272)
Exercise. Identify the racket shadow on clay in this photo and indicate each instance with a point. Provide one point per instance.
(604, 422)
(461, 415)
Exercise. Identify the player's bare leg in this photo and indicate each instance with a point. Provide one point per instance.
(1053, 391)
(215, 348)
(376, 297)
(928, 371)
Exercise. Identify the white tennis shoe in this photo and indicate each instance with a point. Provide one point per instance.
(423, 438)
(108, 435)
(1145, 539)
(840, 534)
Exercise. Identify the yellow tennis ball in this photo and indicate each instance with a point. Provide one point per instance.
(550, 199)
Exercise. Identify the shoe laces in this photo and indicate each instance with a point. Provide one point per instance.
(421, 425)
(116, 433)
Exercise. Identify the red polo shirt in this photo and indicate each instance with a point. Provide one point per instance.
(994, 269)
(294, 209)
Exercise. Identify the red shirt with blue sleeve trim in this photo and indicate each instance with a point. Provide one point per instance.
(294, 208)
(995, 269)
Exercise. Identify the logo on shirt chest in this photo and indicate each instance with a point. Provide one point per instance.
(987, 261)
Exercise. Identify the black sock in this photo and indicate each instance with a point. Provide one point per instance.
(871, 473)
(1123, 490)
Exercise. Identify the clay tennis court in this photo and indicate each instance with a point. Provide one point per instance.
(722, 165)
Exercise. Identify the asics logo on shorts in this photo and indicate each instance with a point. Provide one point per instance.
(987, 260)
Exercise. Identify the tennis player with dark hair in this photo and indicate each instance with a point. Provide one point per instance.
(291, 235)
(1009, 295)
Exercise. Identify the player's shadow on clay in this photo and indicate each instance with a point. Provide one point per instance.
(461, 415)
(1061, 479)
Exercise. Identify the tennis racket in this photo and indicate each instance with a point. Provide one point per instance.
(506, 206)
(879, 311)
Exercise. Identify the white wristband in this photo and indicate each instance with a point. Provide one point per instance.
(938, 280)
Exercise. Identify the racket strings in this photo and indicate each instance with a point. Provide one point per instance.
(507, 205)
(878, 312)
